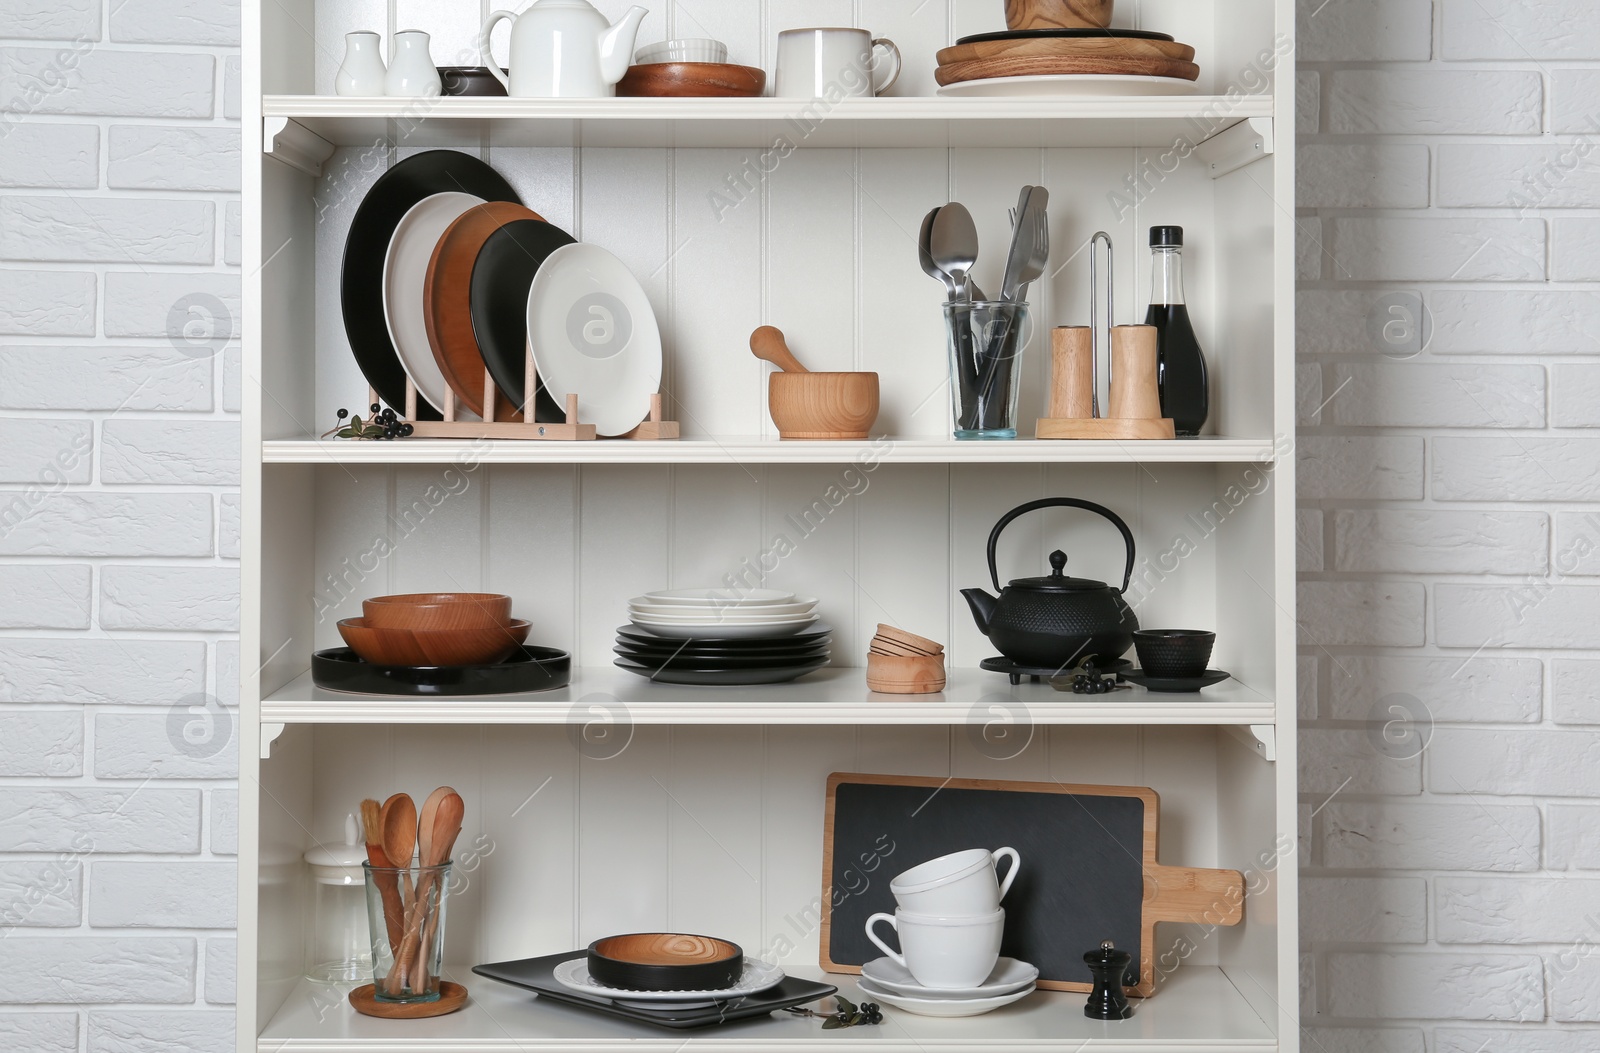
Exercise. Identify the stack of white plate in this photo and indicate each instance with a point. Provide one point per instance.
(725, 614)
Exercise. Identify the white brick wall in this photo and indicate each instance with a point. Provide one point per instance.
(119, 458)
(1449, 601)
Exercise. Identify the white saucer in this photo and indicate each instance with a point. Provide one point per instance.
(1074, 84)
(758, 976)
(1009, 975)
(946, 1007)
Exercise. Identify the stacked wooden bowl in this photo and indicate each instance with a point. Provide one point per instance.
(1054, 38)
(902, 663)
(434, 629)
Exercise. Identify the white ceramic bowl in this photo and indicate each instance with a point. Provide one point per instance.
(687, 49)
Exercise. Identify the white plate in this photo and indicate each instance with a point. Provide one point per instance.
(724, 632)
(758, 976)
(594, 335)
(1009, 975)
(405, 270)
(1068, 84)
(945, 1007)
(721, 623)
(777, 612)
(715, 597)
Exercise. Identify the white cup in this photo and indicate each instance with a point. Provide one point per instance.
(959, 883)
(832, 64)
(684, 50)
(944, 953)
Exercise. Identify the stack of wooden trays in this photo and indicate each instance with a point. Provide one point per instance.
(1065, 47)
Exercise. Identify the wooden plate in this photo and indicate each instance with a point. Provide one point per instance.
(989, 69)
(451, 997)
(1067, 47)
(447, 303)
(710, 80)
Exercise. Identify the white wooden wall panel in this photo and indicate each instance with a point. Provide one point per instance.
(919, 28)
(821, 547)
(620, 552)
(715, 804)
(624, 867)
(532, 546)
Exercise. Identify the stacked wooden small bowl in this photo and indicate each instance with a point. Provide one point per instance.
(435, 629)
(1088, 47)
(902, 663)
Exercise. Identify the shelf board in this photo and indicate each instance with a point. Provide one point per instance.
(1198, 1010)
(470, 123)
(829, 696)
(755, 450)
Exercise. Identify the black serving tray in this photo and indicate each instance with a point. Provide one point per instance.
(528, 669)
(535, 975)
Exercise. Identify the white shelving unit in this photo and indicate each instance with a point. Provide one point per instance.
(615, 804)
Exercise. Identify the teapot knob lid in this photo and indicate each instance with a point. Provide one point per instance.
(1058, 563)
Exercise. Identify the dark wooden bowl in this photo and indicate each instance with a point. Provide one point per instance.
(665, 961)
(683, 80)
(432, 647)
(438, 610)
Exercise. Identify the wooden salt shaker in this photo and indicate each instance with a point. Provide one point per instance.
(1134, 392)
(1072, 372)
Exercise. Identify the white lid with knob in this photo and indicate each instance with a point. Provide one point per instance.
(340, 864)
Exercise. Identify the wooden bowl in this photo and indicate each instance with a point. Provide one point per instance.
(1059, 14)
(823, 405)
(696, 80)
(665, 961)
(905, 674)
(438, 610)
(432, 647)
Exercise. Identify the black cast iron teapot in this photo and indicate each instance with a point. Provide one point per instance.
(1056, 621)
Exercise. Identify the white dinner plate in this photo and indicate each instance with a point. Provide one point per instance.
(594, 335)
(667, 612)
(715, 597)
(713, 622)
(945, 1007)
(724, 632)
(405, 270)
(1068, 84)
(1009, 975)
(758, 976)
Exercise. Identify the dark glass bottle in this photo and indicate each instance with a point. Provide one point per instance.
(1181, 372)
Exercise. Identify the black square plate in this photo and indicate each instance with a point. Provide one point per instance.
(534, 974)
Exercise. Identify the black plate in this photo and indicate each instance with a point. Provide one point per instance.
(769, 649)
(361, 279)
(812, 633)
(1046, 34)
(1176, 684)
(534, 974)
(528, 669)
(703, 662)
(501, 277)
(779, 674)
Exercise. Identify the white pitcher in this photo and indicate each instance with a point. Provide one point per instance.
(563, 49)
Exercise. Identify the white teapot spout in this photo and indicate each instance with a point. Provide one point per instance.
(616, 44)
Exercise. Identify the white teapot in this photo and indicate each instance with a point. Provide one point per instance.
(564, 49)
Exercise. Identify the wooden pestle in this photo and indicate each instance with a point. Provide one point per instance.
(1071, 372)
(1134, 394)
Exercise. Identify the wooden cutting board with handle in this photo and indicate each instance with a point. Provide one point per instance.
(1067, 47)
(1088, 868)
(985, 69)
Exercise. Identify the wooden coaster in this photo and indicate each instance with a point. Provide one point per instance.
(1103, 428)
(451, 998)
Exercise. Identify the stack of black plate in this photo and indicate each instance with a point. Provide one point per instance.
(720, 662)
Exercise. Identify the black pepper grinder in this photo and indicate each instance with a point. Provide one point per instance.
(1106, 1001)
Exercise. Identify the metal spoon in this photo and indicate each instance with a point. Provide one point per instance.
(954, 244)
(925, 253)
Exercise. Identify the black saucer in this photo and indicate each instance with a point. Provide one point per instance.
(1046, 34)
(1016, 670)
(528, 669)
(1176, 684)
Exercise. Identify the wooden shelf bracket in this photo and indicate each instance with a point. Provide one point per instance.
(295, 145)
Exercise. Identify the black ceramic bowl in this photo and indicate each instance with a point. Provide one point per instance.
(1173, 652)
(665, 961)
(469, 80)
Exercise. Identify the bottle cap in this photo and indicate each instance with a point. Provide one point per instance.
(1166, 237)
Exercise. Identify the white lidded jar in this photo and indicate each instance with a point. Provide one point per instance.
(362, 71)
(412, 73)
(338, 946)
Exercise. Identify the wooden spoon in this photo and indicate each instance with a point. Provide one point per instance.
(769, 346)
(399, 819)
(425, 824)
(417, 945)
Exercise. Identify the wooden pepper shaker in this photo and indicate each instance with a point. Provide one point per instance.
(1134, 392)
(1072, 372)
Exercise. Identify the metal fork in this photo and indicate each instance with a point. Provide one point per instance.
(1038, 257)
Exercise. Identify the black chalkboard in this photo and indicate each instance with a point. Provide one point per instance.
(1082, 873)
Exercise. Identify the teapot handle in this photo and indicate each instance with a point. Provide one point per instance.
(483, 46)
(1060, 502)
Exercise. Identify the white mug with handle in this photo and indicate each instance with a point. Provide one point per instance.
(959, 883)
(833, 64)
(944, 953)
